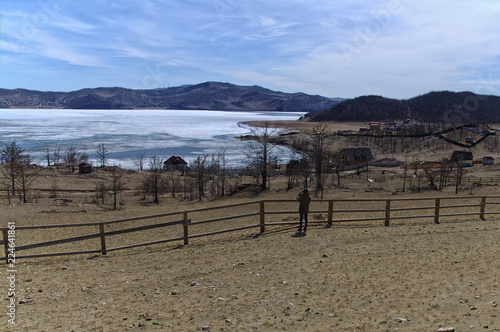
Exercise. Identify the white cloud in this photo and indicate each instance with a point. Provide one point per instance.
(397, 48)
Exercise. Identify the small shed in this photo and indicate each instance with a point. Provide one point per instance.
(488, 160)
(85, 168)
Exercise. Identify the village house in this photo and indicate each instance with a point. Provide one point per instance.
(374, 125)
(465, 157)
(353, 158)
(175, 163)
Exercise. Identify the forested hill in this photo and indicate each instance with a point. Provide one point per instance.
(443, 106)
(204, 96)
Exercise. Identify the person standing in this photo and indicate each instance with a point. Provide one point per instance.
(304, 201)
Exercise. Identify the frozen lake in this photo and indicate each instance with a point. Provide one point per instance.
(129, 133)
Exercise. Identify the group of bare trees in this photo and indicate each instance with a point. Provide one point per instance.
(314, 158)
(205, 176)
(314, 152)
(18, 171)
(260, 154)
(435, 176)
(72, 157)
(112, 187)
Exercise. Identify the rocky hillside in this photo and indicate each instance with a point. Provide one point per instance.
(206, 96)
(434, 107)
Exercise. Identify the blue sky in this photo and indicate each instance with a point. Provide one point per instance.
(394, 48)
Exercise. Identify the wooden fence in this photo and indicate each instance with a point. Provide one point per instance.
(482, 179)
(257, 214)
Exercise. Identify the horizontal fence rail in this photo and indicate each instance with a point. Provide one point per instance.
(253, 215)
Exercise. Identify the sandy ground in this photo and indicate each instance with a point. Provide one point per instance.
(407, 278)
(412, 276)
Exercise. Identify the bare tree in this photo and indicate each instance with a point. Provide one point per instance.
(416, 166)
(84, 157)
(116, 185)
(174, 184)
(102, 154)
(155, 173)
(100, 190)
(27, 174)
(432, 175)
(188, 186)
(12, 156)
(445, 172)
(57, 156)
(47, 155)
(198, 170)
(319, 154)
(71, 156)
(140, 160)
(260, 153)
(218, 172)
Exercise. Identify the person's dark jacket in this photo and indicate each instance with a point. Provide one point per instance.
(304, 200)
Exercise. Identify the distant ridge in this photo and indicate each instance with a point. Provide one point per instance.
(433, 107)
(204, 96)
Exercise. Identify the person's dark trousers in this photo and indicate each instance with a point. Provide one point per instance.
(303, 217)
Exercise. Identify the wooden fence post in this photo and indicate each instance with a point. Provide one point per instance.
(103, 239)
(262, 217)
(5, 233)
(185, 224)
(387, 212)
(483, 207)
(436, 210)
(330, 212)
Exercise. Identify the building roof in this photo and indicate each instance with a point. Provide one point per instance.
(175, 160)
(462, 155)
(357, 154)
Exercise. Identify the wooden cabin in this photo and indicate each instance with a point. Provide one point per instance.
(175, 163)
(85, 168)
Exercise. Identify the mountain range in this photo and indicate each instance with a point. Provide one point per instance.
(433, 107)
(204, 96)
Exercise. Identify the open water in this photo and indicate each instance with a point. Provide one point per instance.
(129, 133)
